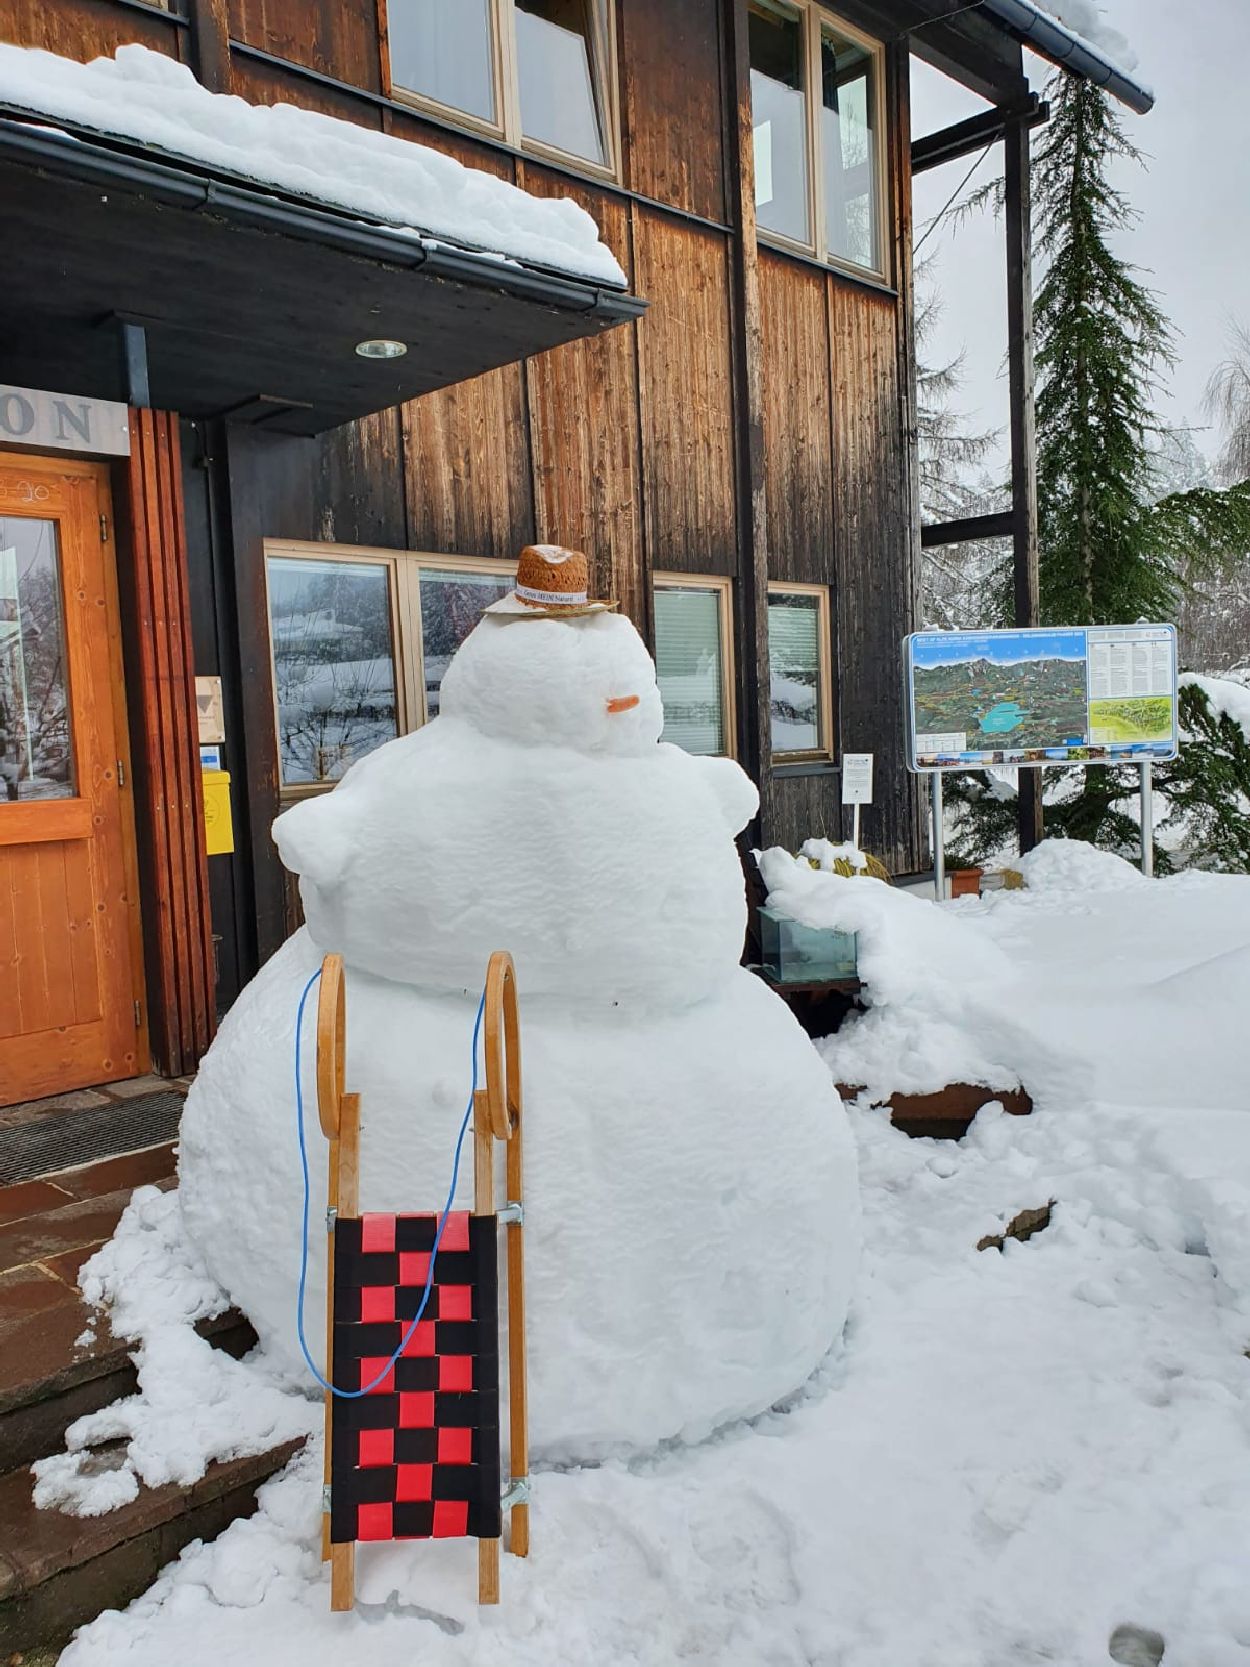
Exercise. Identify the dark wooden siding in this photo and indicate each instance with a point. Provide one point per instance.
(798, 432)
(335, 37)
(585, 447)
(685, 395)
(86, 29)
(671, 110)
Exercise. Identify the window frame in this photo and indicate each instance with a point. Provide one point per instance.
(507, 128)
(814, 19)
(404, 569)
(729, 680)
(824, 675)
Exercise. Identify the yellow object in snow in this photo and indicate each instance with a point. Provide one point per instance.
(218, 823)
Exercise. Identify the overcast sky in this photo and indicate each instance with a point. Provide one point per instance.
(1193, 196)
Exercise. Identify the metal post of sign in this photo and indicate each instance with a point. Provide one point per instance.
(855, 827)
(1147, 820)
(939, 851)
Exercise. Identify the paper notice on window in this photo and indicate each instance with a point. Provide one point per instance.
(763, 136)
(1122, 666)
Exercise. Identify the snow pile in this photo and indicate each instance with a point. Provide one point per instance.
(1069, 989)
(194, 1405)
(1225, 695)
(1073, 865)
(144, 96)
(937, 992)
(691, 1204)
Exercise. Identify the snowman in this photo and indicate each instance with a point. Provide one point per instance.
(692, 1214)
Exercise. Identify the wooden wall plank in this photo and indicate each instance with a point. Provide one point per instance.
(873, 556)
(686, 396)
(583, 419)
(86, 29)
(798, 434)
(152, 574)
(261, 83)
(671, 103)
(467, 467)
(336, 37)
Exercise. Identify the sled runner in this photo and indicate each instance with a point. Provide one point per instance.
(418, 1455)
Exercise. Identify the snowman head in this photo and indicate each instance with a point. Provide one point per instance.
(584, 681)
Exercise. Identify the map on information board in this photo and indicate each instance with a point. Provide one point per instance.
(1090, 695)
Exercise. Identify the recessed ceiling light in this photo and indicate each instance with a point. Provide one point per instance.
(380, 348)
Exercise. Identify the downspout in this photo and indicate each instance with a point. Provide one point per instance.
(1054, 40)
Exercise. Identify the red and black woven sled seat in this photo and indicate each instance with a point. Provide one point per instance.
(417, 1457)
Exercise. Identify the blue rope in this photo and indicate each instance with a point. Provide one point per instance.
(355, 1394)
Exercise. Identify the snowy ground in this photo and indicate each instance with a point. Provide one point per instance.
(1010, 1456)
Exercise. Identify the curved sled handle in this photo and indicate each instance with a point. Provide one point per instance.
(331, 1045)
(503, 1047)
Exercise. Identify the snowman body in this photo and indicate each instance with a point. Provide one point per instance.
(691, 1198)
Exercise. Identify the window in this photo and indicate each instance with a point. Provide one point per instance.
(360, 642)
(536, 73)
(800, 694)
(816, 99)
(694, 662)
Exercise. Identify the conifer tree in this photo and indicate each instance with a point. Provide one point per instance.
(1112, 551)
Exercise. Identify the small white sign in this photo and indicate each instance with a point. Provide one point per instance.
(857, 778)
(63, 422)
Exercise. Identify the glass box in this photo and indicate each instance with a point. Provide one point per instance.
(795, 954)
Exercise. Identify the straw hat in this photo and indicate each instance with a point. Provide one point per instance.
(551, 582)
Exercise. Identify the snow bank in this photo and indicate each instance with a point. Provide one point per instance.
(1018, 1454)
(1073, 865)
(195, 1404)
(144, 96)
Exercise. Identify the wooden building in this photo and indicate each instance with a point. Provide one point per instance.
(731, 437)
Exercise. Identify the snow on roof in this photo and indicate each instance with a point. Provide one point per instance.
(150, 99)
(1084, 18)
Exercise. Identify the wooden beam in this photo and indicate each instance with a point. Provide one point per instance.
(754, 740)
(210, 44)
(963, 138)
(972, 51)
(1024, 535)
(1002, 524)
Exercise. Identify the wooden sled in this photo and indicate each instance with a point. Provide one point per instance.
(419, 1457)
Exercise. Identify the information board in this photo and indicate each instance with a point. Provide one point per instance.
(1090, 695)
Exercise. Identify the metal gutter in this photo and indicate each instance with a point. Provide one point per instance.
(1054, 40)
(70, 156)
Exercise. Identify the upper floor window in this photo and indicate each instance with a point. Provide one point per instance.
(816, 98)
(536, 73)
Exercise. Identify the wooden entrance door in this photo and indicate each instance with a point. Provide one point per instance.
(70, 962)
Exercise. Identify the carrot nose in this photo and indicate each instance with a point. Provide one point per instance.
(623, 703)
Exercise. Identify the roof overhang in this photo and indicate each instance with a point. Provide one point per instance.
(252, 302)
(979, 44)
